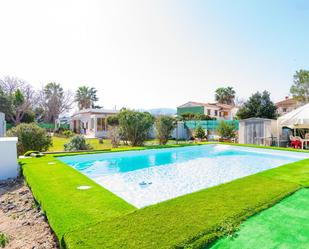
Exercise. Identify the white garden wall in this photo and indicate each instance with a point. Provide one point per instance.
(2, 125)
(9, 167)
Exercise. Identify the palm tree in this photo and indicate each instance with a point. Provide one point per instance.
(86, 97)
(225, 95)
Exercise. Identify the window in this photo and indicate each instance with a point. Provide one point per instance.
(216, 113)
(284, 109)
(208, 112)
(100, 124)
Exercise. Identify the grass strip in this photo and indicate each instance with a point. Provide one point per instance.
(284, 225)
(54, 185)
(189, 221)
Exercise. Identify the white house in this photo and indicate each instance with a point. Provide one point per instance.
(91, 122)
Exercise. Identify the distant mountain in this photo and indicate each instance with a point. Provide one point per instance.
(162, 111)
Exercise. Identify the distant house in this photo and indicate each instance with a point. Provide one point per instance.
(214, 110)
(91, 122)
(287, 105)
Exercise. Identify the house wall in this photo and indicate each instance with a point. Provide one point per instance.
(9, 167)
(191, 109)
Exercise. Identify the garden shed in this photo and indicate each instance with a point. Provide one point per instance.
(260, 131)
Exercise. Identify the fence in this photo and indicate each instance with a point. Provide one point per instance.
(210, 124)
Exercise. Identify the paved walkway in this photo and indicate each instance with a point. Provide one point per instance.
(283, 226)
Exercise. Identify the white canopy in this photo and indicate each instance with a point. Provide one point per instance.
(297, 119)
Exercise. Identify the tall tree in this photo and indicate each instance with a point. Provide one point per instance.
(54, 100)
(259, 105)
(300, 88)
(225, 95)
(17, 97)
(86, 97)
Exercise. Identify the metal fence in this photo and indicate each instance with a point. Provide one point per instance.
(210, 124)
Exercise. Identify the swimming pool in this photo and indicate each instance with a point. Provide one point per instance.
(147, 177)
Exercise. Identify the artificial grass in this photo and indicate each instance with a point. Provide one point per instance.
(190, 221)
(54, 186)
(285, 225)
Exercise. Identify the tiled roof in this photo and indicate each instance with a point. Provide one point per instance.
(212, 105)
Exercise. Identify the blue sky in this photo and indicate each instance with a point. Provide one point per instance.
(147, 54)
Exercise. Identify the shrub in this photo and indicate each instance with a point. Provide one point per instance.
(113, 120)
(164, 127)
(78, 142)
(67, 133)
(135, 126)
(4, 240)
(114, 135)
(30, 137)
(199, 132)
(225, 130)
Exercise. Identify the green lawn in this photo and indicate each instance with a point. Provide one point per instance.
(58, 144)
(97, 218)
(286, 225)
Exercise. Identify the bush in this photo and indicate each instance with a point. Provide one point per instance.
(30, 137)
(199, 132)
(135, 126)
(164, 127)
(67, 133)
(226, 131)
(78, 142)
(113, 120)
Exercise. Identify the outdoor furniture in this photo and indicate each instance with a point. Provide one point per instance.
(296, 142)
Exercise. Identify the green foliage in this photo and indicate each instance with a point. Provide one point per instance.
(259, 105)
(18, 98)
(195, 116)
(29, 117)
(225, 130)
(164, 127)
(30, 137)
(4, 240)
(199, 132)
(113, 120)
(68, 133)
(225, 95)
(86, 97)
(135, 126)
(78, 142)
(300, 88)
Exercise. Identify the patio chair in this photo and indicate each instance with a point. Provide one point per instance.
(295, 142)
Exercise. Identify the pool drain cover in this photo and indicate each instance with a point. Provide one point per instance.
(83, 187)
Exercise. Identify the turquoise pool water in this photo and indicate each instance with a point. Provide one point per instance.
(150, 176)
